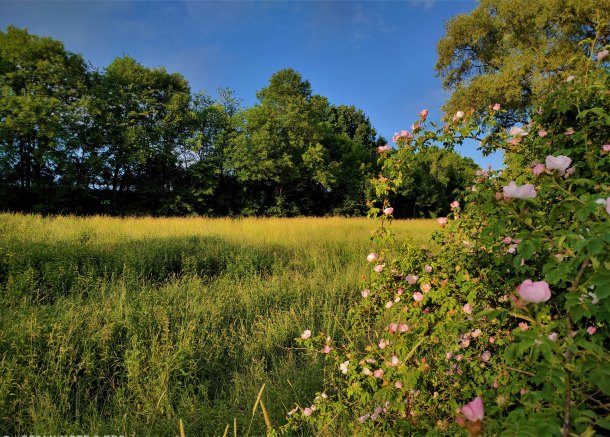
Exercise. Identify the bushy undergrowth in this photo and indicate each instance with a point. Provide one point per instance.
(123, 326)
(504, 330)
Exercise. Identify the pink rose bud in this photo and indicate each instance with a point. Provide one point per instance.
(507, 240)
(372, 257)
(591, 330)
(473, 411)
(455, 204)
(602, 55)
(496, 107)
(514, 191)
(399, 291)
(418, 297)
(428, 268)
(306, 334)
(553, 336)
(542, 133)
(560, 163)
(442, 221)
(388, 211)
(379, 268)
(365, 293)
(538, 169)
(491, 340)
(423, 114)
(467, 308)
(534, 292)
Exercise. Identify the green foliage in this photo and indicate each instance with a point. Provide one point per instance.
(514, 52)
(433, 331)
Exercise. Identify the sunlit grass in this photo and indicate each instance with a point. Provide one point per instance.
(111, 325)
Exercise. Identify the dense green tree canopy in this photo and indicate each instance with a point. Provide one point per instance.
(129, 139)
(515, 51)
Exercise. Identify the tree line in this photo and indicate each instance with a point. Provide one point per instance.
(129, 139)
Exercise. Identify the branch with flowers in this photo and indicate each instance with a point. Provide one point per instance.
(502, 327)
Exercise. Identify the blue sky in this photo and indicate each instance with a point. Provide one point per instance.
(376, 55)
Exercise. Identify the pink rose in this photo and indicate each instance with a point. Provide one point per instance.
(467, 308)
(403, 327)
(365, 293)
(486, 356)
(388, 211)
(523, 326)
(592, 329)
(496, 107)
(425, 287)
(560, 163)
(389, 305)
(606, 148)
(553, 336)
(392, 327)
(326, 349)
(473, 410)
(538, 169)
(418, 297)
(569, 131)
(372, 257)
(534, 292)
(379, 268)
(307, 411)
(602, 55)
(306, 334)
(442, 221)
(378, 373)
(542, 133)
(455, 204)
(423, 114)
(518, 132)
(398, 385)
(412, 279)
(383, 343)
(428, 268)
(514, 191)
(507, 240)
(399, 291)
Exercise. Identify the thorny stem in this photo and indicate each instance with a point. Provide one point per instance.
(565, 430)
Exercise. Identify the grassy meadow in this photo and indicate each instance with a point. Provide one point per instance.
(126, 326)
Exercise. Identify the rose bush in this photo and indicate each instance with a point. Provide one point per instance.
(502, 326)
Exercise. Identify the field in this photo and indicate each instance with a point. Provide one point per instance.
(123, 326)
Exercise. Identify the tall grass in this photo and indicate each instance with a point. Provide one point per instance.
(122, 326)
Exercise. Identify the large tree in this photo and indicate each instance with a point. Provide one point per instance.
(42, 87)
(515, 51)
(143, 114)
